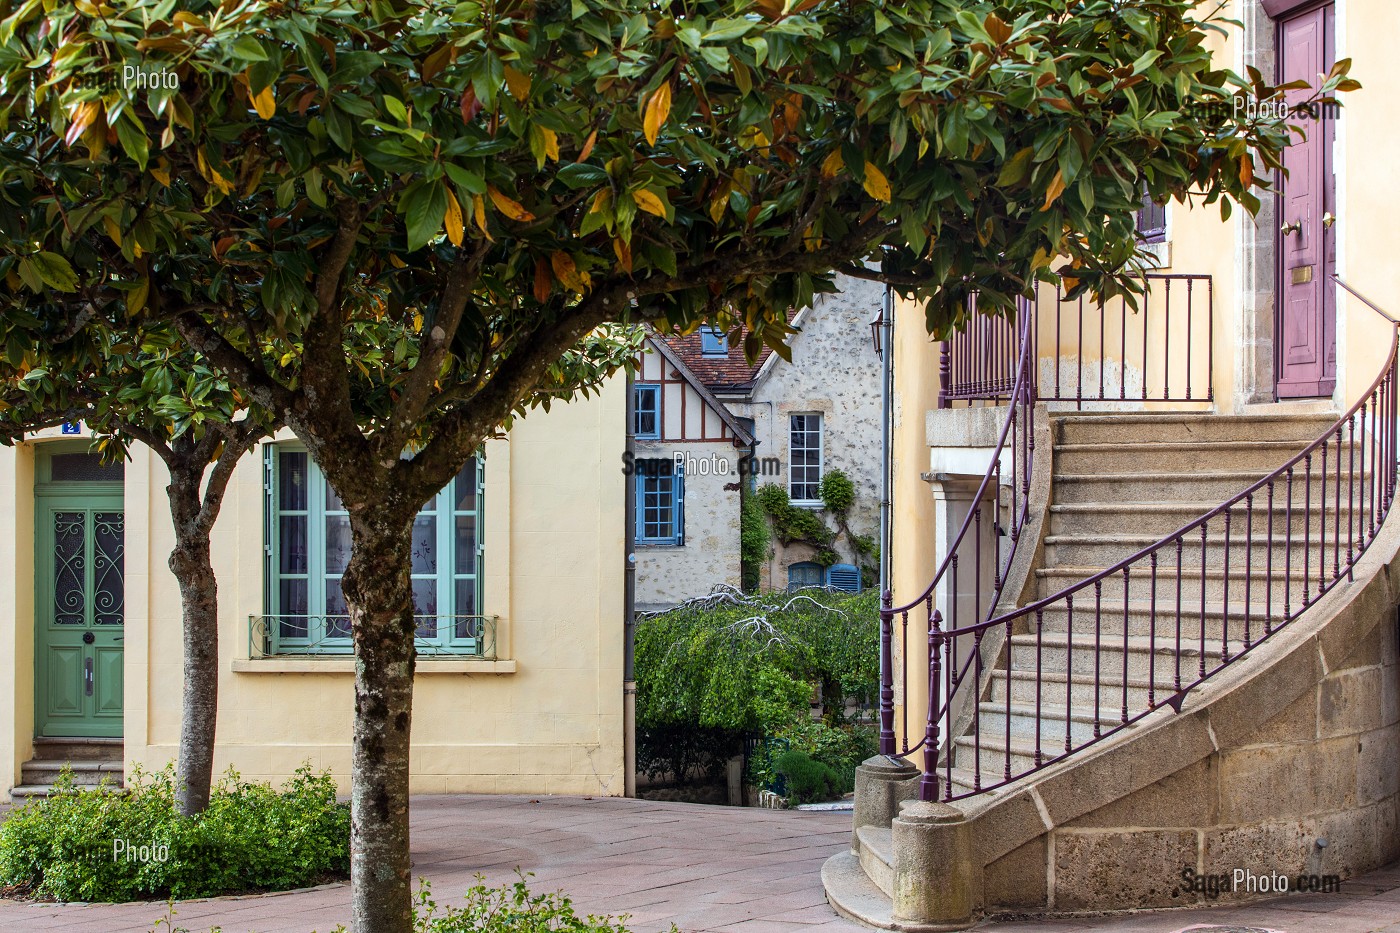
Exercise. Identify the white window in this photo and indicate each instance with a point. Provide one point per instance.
(805, 458)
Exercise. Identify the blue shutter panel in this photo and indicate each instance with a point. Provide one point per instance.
(845, 577)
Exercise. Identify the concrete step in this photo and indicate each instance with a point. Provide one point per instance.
(1205, 486)
(1164, 518)
(1185, 427)
(1143, 617)
(1106, 550)
(1185, 456)
(1052, 686)
(993, 754)
(73, 749)
(86, 772)
(23, 793)
(995, 718)
(877, 856)
(1269, 594)
(1146, 659)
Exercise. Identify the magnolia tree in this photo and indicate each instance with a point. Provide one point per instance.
(56, 370)
(394, 226)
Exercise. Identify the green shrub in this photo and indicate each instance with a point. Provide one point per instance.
(808, 780)
(838, 492)
(511, 908)
(251, 838)
(753, 542)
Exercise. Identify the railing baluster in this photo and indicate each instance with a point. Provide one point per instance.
(1269, 571)
(1307, 528)
(1098, 655)
(1039, 674)
(1225, 600)
(977, 714)
(1322, 524)
(1176, 682)
(1010, 663)
(1337, 521)
(1204, 526)
(928, 786)
(1351, 496)
(1288, 550)
(1069, 669)
(1248, 563)
(887, 745)
(1151, 634)
(1126, 651)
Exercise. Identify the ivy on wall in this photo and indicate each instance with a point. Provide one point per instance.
(792, 524)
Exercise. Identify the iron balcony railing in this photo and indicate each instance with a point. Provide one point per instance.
(1160, 352)
(1143, 632)
(328, 636)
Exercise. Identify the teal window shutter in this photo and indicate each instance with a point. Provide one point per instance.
(803, 574)
(678, 509)
(844, 577)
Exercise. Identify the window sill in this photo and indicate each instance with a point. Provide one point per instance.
(809, 503)
(294, 665)
(1161, 251)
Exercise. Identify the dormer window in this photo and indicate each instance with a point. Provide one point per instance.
(713, 341)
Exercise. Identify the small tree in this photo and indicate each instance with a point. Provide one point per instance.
(392, 224)
(176, 405)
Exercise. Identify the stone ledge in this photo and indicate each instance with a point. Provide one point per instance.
(854, 896)
(347, 666)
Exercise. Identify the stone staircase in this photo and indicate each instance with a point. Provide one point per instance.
(1120, 483)
(91, 760)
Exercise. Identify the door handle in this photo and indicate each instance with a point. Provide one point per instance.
(1295, 227)
(87, 677)
(1328, 219)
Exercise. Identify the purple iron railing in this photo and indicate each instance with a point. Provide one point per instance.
(987, 538)
(1140, 634)
(1161, 352)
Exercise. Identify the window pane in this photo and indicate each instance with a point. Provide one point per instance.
(292, 602)
(337, 543)
(465, 489)
(85, 468)
(466, 603)
(425, 544)
(291, 485)
(292, 544)
(466, 544)
(337, 612)
(333, 503)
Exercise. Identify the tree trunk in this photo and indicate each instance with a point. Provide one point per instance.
(199, 599)
(380, 599)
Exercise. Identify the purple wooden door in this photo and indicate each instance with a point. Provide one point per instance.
(1306, 335)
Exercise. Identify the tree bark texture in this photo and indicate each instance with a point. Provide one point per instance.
(380, 598)
(199, 599)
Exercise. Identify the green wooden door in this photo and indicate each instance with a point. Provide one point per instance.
(80, 600)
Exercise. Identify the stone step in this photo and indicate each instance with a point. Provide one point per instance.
(1106, 550)
(72, 749)
(1143, 616)
(1160, 519)
(23, 793)
(1187, 456)
(1266, 592)
(1053, 685)
(877, 856)
(1089, 428)
(993, 719)
(1146, 659)
(1205, 486)
(86, 772)
(993, 754)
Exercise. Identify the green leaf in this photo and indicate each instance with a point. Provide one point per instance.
(579, 175)
(469, 180)
(133, 139)
(248, 49)
(55, 272)
(423, 207)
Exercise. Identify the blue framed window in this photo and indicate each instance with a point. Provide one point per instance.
(713, 341)
(308, 547)
(1151, 220)
(646, 411)
(660, 502)
(803, 574)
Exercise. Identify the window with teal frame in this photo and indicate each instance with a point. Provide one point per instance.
(308, 548)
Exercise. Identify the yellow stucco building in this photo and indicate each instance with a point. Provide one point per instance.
(518, 572)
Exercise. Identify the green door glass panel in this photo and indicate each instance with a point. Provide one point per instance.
(79, 607)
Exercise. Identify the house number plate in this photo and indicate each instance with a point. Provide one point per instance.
(1302, 275)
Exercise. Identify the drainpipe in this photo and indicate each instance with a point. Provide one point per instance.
(629, 606)
(886, 339)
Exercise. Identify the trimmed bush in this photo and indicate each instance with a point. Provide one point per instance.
(808, 780)
(75, 845)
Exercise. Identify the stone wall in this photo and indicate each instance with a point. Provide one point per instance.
(836, 372)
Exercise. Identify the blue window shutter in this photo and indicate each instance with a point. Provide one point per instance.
(844, 577)
(678, 487)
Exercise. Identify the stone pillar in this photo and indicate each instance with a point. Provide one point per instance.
(882, 783)
(933, 870)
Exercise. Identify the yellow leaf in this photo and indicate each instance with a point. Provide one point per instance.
(601, 200)
(512, 209)
(454, 219)
(1057, 188)
(479, 212)
(587, 147)
(649, 202)
(568, 273)
(623, 249)
(161, 176)
(417, 322)
(136, 298)
(876, 184)
(657, 109)
(833, 164)
(518, 84)
(396, 262)
(551, 143)
(1246, 170)
(264, 103)
(114, 232)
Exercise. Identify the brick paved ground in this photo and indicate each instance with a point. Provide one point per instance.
(702, 868)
